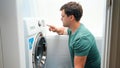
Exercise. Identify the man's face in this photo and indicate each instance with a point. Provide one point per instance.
(65, 19)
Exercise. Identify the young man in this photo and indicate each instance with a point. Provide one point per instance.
(82, 45)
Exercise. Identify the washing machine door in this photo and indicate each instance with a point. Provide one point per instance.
(39, 52)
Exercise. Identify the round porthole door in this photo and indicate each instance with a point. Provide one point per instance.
(39, 54)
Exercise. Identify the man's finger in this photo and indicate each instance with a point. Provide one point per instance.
(50, 26)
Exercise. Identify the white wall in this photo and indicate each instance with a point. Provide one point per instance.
(11, 35)
(93, 14)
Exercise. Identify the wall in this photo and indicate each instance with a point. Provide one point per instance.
(11, 34)
(94, 20)
(118, 48)
(1, 59)
(114, 59)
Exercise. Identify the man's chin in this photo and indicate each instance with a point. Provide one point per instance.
(65, 25)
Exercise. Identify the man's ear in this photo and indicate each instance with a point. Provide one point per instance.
(72, 17)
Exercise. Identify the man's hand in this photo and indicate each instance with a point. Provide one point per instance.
(60, 31)
(52, 28)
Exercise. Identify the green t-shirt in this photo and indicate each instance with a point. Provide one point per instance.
(82, 43)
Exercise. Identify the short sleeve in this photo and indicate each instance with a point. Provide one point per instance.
(82, 46)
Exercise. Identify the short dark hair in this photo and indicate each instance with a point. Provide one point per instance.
(73, 8)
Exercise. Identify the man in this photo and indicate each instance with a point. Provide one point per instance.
(82, 45)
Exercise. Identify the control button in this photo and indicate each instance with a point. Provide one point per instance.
(39, 24)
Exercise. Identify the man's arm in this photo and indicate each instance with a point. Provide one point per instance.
(79, 61)
(60, 31)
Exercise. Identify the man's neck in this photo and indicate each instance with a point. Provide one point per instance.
(74, 26)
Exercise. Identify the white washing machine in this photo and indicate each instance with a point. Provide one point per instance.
(44, 51)
(35, 43)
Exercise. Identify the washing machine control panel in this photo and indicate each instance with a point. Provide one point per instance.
(33, 26)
